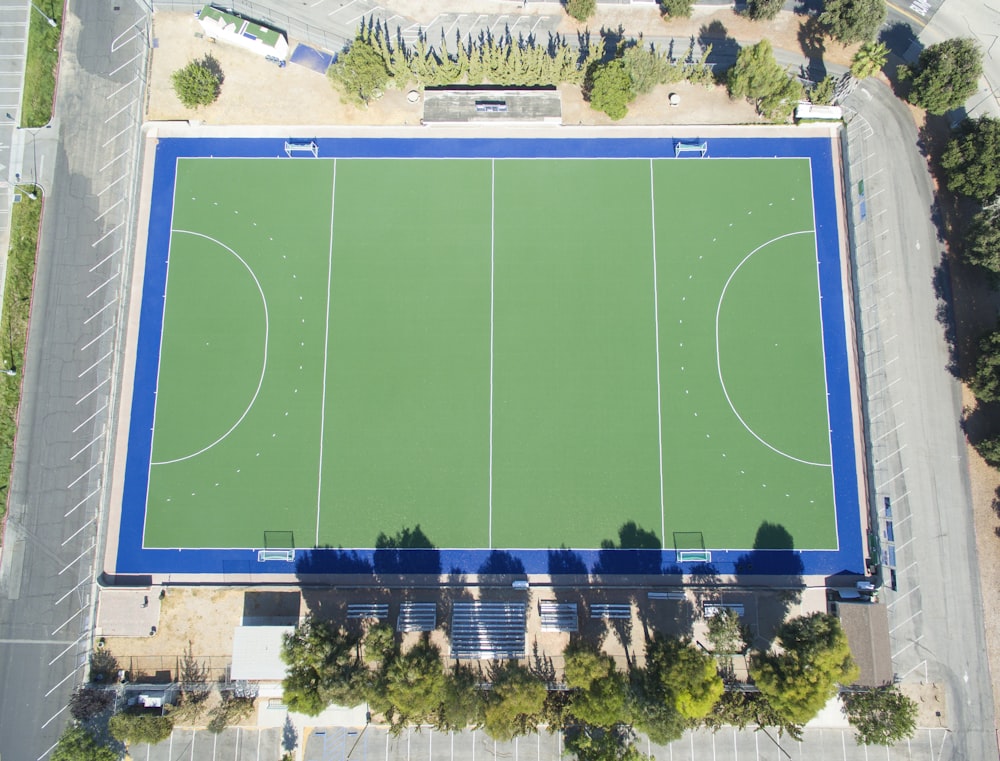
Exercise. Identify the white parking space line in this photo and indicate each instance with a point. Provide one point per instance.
(51, 748)
(123, 87)
(53, 716)
(84, 373)
(102, 285)
(110, 303)
(108, 233)
(68, 648)
(92, 391)
(81, 476)
(85, 581)
(106, 257)
(60, 627)
(87, 446)
(94, 340)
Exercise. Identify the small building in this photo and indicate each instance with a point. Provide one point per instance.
(249, 35)
(257, 657)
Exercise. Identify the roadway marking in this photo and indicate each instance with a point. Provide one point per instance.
(134, 58)
(912, 642)
(116, 44)
(88, 445)
(87, 371)
(904, 621)
(91, 392)
(80, 477)
(71, 563)
(69, 676)
(133, 81)
(76, 533)
(109, 232)
(120, 110)
(48, 751)
(104, 213)
(120, 155)
(112, 185)
(115, 137)
(80, 504)
(53, 716)
(907, 592)
(67, 621)
(106, 257)
(110, 303)
(110, 279)
(92, 341)
(37, 642)
(70, 645)
(85, 581)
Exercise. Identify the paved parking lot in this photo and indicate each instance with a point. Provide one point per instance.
(377, 744)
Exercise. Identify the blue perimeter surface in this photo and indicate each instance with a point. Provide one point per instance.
(134, 559)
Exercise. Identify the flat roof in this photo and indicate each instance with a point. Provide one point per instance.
(257, 653)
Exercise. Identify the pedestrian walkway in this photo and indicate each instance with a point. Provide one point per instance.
(14, 19)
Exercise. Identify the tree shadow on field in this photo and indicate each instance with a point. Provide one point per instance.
(638, 551)
(774, 554)
(408, 551)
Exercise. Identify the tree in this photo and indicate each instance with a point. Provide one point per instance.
(599, 689)
(743, 709)
(946, 75)
(415, 685)
(763, 10)
(603, 744)
(758, 77)
(676, 8)
(581, 10)
(199, 83)
(77, 744)
(815, 659)
(147, 728)
(971, 160)
(323, 667)
(989, 450)
(869, 59)
(985, 381)
(726, 633)
(982, 239)
(231, 710)
(851, 21)
(462, 704)
(647, 68)
(823, 91)
(514, 702)
(361, 73)
(88, 702)
(880, 716)
(194, 690)
(610, 89)
(688, 676)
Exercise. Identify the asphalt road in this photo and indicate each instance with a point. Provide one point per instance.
(87, 164)
(914, 409)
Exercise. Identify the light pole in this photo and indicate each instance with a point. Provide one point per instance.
(52, 21)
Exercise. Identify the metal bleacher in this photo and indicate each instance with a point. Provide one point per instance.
(368, 610)
(605, 610)
(558, 616)
(488, 630)
(417, 617)
(666, 595)
(711, 608)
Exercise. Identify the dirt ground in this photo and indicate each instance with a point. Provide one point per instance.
(298, 96)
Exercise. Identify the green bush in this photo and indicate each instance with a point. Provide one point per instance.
(199, 83)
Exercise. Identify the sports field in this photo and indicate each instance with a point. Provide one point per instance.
(509, 353)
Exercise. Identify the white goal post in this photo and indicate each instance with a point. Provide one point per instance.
(284, 555)
(699, 147)
(293, 145)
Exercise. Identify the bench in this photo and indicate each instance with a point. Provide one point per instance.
(558, 616)
(368, 610)
(417, 617)
(666, 595)
(612, 611)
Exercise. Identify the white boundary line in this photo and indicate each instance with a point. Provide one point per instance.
(263, 368)
(718, 354)
(493, 174)
(326, 346)
(822, 344)
(656, 323)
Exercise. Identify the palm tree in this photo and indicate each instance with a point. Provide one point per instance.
(870, 58)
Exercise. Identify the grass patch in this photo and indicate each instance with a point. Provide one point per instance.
(41, 63)
(25, 219)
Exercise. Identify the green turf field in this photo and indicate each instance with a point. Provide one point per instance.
(481, 348)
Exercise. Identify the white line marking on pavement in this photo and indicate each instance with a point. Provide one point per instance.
(85, 581)
(71, 563)
(102, 285)
(136, 57)
(106, 257)
(81, 502)
(94, 340)
(109, 232)
(70, 645)
(91, 368)
(59, 628)
(105, 212)
(69, 676)
(88, 445)
(51, 748)
(80, 477)
(115, 137)
(53, 716)
(130, 82)
(91, 392)
(110, 303)
(78, 532)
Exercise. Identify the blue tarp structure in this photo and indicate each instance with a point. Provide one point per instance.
(313, 59)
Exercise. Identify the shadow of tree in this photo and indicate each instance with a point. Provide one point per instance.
(501, 563)
(812, 40)
(724, 48)
(565, 562)
(637, 551)
(409, 551)
(774, 554)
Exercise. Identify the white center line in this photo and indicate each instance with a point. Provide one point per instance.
(326, 346)
(493, 207)
(656, 323)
